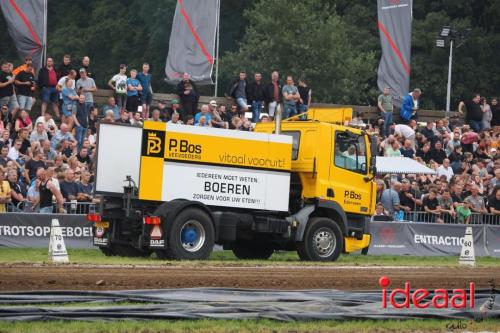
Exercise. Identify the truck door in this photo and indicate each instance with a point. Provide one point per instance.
(348, 178)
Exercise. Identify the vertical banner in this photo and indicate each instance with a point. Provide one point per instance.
(25, 21)
(192, 41)
(394, 24)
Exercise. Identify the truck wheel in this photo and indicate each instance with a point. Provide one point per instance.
(191, 236)
(252, 250)
(323, 241)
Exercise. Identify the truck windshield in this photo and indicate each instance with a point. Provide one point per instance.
(350, 152)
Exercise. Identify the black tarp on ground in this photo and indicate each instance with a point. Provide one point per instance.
(222, 303)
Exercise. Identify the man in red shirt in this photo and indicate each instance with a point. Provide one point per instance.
(47, 82)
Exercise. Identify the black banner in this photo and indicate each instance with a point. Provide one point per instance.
(33, 230)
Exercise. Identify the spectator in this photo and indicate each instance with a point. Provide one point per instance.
(203, 122)
(305, 96)
(428, 132)
(273, 93)
(62, 134)
(86, 85)
(23, 122)
(28, 64)
(4, 151)
(47, 82)
(446, 203)
(487, 115)
(119, 85)
(48, 153)
(84, 158)
(174, 108)
(386, 108)
(220, 117)
(290, 98)
(35, 163)
(85, 188)
(476, 201)
(69, 188)
(495, 112)
(144, 78)
(494, 201)
(441, 131)
(189, 120)
(474, 112)
(111, 105)
(136, 120)
(65, 67)
(393, 149)
(155, 115)
(6, 118)
(188, 94)
(25, 85)
(203, 113)
(175, 119)
(453, 143)
(407, 199)
(71, 102)
(410, 105)
(255, 94)
(438, 154)
(7, 95)
(431, 206)
(14, 153)
(165, 112)
(380, 211)
(123, 119)
(48, 123)
(133, 89)
(445, 170)
(237, 90)
(403, 131)
(19, 191)
(108, 117)
(61, 84)
(93, 119)
(407, 150)
(390, 198)
(464, 212)
(5, 195)
(47, 190)
(81, 120)
(85, 65)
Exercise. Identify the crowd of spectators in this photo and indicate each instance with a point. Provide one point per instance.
(464, 155)
(47, 162)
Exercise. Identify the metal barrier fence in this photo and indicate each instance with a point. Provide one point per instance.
(475, 218)
(70, 207)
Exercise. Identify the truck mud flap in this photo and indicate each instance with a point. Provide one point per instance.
(153, 237)
(101, 232)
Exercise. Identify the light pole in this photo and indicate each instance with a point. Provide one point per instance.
(449, 34)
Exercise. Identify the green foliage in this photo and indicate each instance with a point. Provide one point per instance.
(333, 43)
(305, 39)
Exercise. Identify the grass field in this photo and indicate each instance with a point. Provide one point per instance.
(223, 258)
(264, 326)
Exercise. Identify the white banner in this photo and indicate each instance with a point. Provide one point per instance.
(226, 186)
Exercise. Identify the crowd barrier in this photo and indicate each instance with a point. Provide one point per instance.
(431, 239)
(417, 216)
(70, 207)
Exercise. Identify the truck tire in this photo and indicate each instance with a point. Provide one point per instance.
(323, 240)
(252, 250)
(190, 237)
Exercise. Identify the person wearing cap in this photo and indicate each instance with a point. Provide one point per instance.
(86, 86)
(119, 84)
(188, 94)
(174, 108)
(47, 82)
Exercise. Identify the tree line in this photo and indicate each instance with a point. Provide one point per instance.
(334, 44)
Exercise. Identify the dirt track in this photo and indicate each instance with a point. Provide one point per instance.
(28, 277)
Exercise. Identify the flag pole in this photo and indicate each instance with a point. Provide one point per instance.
(217, 51)
(44, 52)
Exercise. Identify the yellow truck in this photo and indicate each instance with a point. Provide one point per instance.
(303, 184)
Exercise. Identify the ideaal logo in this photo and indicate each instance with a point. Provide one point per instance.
(440, 299)
(153, 143)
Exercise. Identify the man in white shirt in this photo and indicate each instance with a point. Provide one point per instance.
(445, 170)
(119, 84)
